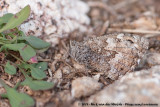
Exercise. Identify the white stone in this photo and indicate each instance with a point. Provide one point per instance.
(84, 86)
(58, 17)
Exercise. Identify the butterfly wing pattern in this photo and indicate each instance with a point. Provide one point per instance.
(113, 54)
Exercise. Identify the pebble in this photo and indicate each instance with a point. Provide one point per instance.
(84, 86)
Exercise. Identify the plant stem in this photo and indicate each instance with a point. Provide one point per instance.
(17, 58)
(1, 49)
(17, 84)
(22, 33)
(3, 35)
(18, 66)
(14, 39)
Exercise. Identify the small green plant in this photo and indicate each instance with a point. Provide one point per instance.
(14, 40)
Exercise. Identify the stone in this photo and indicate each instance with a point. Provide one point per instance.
(133, 88)
(84, 86)
(50, 19)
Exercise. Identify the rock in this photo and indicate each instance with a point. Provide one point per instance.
(150, 59)
(96, 77)
(58, 74)
(153, 59)
(66, 70)
(134, 88)
(84, 86)
(50, 18)
(65, 96)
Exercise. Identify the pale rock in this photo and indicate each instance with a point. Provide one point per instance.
(153, 58)
(66, 70)
(134, 88)
(48, 17)
(96, 77)
(84, 86)
(58, 74)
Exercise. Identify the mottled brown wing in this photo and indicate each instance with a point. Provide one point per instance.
(113, 54)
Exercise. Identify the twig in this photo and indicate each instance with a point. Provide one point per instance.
(151, 35)
(50, 73)
(133, 31)
(102, 5)
(6, 82)
(17, 58)
(44, 60)
(124, 4)
(104, 28)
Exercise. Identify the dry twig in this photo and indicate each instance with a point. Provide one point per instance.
(133, 31)
(104, 28)
(124, 4)
(102, 5)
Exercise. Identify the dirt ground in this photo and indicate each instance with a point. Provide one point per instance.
(140, 17)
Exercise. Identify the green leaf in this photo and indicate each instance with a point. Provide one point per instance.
(2, 48)
(25, 66)
(17, 19)
(41, 50)
(37, 70)
(36, 42)
(37, 73)
(10, 69)
(37, 84)
(26, 51)
(15, 47)
(5, 18)
(41, 65)
(22, 34)
(19, 99)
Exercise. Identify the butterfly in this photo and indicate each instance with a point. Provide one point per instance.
(114, 54)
